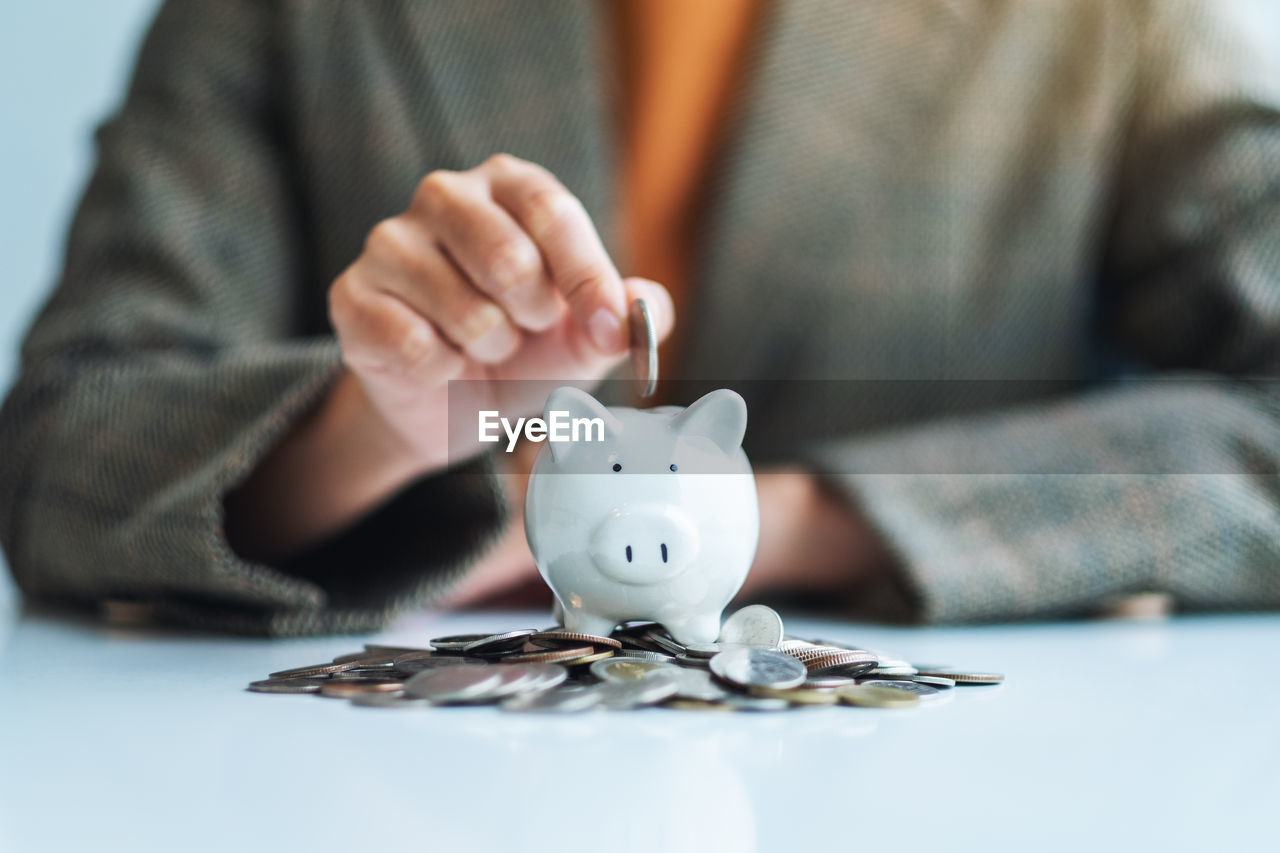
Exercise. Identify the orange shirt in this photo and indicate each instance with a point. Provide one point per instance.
(680, 62)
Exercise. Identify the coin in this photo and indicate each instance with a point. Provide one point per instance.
(924, 691)
(820, 658)
(826, 679)
(753, 625)
(557, 636)
(388, 700)
(752, 667)
(315, 669)
(497, 642)
(453, 683)
(641, 654)
(586, 659)
(650, 689)
(288, 685)
(644, 348)
(413, 662)
(698, 684)
(756, 703)
(935, 680)
(876, 697)
(544, 655)
(695, 705)
(457, 642)
(798, 696)
(354, 686)
(964, 678)
(623, 669)
(567, 700)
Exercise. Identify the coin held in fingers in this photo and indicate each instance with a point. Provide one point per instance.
(644, 348)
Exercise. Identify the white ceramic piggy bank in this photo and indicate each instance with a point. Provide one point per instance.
(657, 521)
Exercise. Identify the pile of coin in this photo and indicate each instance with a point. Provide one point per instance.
(754, 667)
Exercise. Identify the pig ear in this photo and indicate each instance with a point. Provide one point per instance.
(720, 416)
(579, 404)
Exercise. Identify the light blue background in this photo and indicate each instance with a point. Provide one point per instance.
(63, 66)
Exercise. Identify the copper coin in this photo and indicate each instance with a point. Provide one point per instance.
(968, 678)
(824, 657)
(354, 687)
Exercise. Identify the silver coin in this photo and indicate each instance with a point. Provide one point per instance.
(497, 642)
(924, 691)
(287, 685)
(641, 654)
(698, 684)
(828, 678)
(751, 667)
(902, 670)
(756, 703)
(664, 641)
(703, 650)
(543, 676)
(453, 683)
(420, 661)
(935, 681)
(754, 625)
(649, 689)
(456, 642)
(563, 701)
(388, 700)
(692, 662)
(512, 679)
(644, 348)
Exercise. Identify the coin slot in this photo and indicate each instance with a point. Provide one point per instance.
(628, 553)
(664, 552)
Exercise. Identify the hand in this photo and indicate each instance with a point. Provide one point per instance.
(495, 273)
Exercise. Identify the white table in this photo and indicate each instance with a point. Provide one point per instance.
(1107, 736)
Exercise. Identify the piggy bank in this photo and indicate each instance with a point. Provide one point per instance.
(643, 514)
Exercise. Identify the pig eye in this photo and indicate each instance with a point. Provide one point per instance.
(673, 466)
(617, 466)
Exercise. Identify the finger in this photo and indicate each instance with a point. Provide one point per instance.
(559, 225)
(381, 335)
(490, 247)
(423, 276)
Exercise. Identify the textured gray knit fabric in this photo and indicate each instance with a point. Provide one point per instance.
(950, 190)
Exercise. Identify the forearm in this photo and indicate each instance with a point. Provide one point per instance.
(812, 541)
(335, 467)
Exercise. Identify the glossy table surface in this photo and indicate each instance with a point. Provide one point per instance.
(1106, 736)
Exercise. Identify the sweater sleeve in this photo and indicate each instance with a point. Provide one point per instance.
(1168, 483)
(171, 357)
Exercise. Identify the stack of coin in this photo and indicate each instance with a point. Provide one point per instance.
(755, 667)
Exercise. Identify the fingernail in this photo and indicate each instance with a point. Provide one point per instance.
(606, 331)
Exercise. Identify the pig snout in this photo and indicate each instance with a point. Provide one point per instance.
(642, 546)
